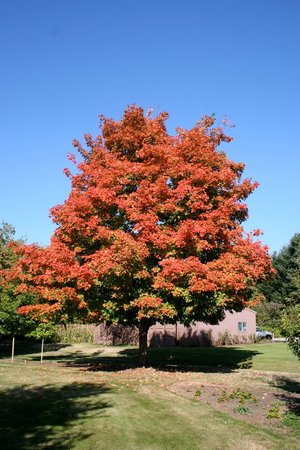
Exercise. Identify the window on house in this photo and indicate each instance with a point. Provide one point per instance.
(242, 326)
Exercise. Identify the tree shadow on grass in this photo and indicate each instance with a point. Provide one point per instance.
(195, 359)
(291, 392)
(48, 416)
(68, 358)
(26, 346)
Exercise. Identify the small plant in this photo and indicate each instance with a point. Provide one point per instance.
(237, 393)
(243, 396)
(275, 411)
(197, 393)
(223, 397)
(242, 410)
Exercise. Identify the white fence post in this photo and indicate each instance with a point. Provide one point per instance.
(13, 349)
(42, 350)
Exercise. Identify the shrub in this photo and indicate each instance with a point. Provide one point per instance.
(224, 338)
(291, 329)
(227, 338)
(75, 333)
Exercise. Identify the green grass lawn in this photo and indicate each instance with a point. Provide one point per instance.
(268, 356)
(72, 401)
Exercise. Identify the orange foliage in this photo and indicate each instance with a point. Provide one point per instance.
(151, 229)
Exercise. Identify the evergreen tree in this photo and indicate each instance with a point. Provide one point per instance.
(282, 291)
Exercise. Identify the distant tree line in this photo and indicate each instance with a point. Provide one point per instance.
(280, 311)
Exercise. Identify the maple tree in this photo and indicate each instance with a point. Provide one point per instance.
(151, 231)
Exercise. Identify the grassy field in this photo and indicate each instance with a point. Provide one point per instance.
(86, 397)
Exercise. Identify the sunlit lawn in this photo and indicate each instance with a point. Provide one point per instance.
(93, 406)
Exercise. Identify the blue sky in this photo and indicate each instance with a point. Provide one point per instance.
(63, 62)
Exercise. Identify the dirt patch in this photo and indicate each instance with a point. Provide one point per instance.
(257, 397)
(257, 402)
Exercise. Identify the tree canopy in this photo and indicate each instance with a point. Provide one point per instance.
(11, 322)
(151, 231)
(282, 291)
(281, 288)
(7, 256)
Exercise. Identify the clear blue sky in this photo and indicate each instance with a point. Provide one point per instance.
(63, 62)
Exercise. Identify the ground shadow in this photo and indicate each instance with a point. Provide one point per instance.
(44, 417)
(200, 359)
(291, 392)
(197, 358)
(67, 358)
(26, 346)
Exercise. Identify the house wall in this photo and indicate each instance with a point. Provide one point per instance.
(115, 335)
(202, 333)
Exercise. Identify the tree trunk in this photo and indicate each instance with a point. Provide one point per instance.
(143, 344)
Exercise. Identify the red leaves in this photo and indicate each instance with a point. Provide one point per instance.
(188, 273)
(149, 217)
(150, 307)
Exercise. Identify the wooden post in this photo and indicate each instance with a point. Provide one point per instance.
(42, 350)
(13, 349)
